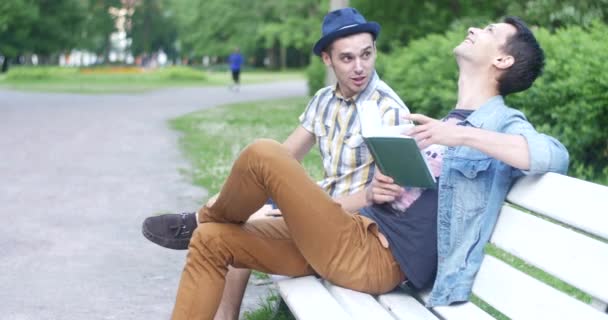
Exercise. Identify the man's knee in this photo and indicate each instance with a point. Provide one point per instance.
(263, 149)
(209, 236)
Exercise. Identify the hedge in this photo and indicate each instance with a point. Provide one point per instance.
(170, 73)
(315, 73)
(30, 73)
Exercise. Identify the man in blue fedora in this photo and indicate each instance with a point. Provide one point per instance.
(331, 120)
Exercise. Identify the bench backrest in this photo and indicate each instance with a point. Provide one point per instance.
(571, 245)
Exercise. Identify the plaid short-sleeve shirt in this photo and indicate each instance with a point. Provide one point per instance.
(335, 123)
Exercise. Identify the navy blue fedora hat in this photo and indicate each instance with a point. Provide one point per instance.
(341, 23)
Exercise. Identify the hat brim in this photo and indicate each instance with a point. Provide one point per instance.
(371, 27)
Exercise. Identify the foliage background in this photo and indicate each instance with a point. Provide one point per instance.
(569, 101)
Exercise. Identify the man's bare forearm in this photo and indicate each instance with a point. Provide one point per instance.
(508, 148)
(353, 202)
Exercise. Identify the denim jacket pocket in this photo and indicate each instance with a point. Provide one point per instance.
(471, 183)
(471, 168)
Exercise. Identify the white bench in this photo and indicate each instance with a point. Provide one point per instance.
(574, 250)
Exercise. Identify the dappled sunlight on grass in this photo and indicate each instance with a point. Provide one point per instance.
(249, 77)
(212, 138)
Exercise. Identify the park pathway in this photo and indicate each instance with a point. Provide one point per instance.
(78, 174)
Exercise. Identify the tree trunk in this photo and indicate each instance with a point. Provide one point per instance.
(271, 58)
(283, 57)
(5, 65)
(455, 7)
(147, 46)
(330, 77)
(337, 4)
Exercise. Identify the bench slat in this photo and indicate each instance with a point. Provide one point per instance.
(520, 296)
(566, 254)
(307, 298)
(360, 306)
(463, 311)
(576, 202)
(403, 306)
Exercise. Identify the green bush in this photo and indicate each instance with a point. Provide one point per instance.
(21, 73)
(315, 74)
(425, 74)
(570, 100)
(381, 64)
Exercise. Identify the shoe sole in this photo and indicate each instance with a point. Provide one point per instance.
(170, 244)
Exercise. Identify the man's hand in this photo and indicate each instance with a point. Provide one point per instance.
(431, 131)
(382, 189)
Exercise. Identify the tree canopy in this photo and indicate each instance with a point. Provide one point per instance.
(195, 28)
(403, 21)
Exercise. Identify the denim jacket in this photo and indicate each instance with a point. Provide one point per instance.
(472, 188)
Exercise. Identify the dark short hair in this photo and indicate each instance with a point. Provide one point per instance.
(328, 49)
(528, 55)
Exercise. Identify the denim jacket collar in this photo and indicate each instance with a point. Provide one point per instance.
(487, 110)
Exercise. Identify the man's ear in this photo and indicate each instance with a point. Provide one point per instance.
(326, 58)
(504, 62)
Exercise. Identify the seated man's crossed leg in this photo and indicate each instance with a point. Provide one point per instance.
(236, 283)
(315, 235)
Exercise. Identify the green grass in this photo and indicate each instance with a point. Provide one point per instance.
(90, 87)
(126, 79)
(260, 275)
(212, 138)
(273, 308)
(254, 76)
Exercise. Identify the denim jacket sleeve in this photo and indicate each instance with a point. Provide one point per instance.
(547, 154)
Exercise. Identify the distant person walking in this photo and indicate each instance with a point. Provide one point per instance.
(236, 61)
